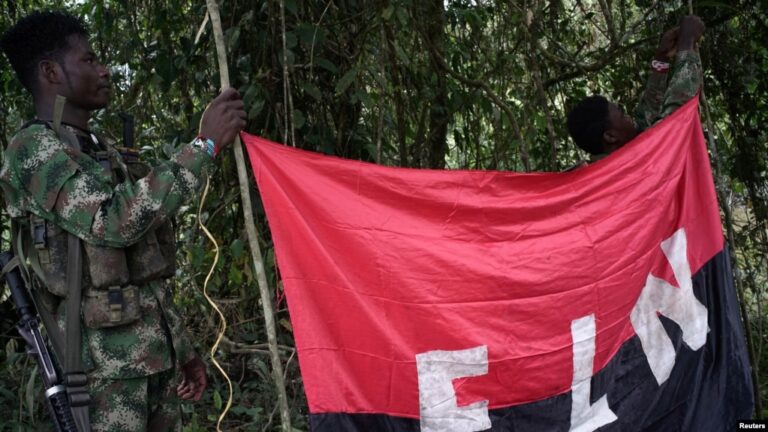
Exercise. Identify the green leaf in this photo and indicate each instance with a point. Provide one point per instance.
(261, 368)
(290, 40)
(716, 4)
(256, 108)
(401, 55)
(236, 248)
(196, 255)
(235, 276)
(247, 17)
(255, 412)
(233, 35)
(346, 81)
(7, 394)
(312, 90)
(327, 65)
(10, 347)
(402, 16)
(30, 393)
(290, 5)
(286, 324)
(250, 94)
(298, 119)
(309, 34)
(386, 14)
(217, 400)
(364, 97)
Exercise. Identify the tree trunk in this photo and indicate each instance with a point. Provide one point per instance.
(432, 14)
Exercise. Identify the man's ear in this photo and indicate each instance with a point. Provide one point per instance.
(50, 71)
(609, 137)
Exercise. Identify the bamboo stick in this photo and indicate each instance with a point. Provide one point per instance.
(287, 95)
(250, 227)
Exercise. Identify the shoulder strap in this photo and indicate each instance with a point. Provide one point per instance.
(74, 375)
(58, 113)
(72, 359)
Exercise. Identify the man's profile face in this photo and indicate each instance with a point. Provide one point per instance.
(621, 128)
(86, 80)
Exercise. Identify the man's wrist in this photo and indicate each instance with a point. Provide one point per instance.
(684, 44)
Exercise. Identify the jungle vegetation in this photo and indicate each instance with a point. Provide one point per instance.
(445, 84)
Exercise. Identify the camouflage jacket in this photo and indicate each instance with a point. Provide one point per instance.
(44, 176)
(660, 99)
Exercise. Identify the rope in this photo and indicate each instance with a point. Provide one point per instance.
(223, 326)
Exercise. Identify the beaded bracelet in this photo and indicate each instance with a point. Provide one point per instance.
(660, 66)
(206, 144)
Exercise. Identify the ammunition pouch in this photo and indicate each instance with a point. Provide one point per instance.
(107, 267)
(112, 307)
(146, 260)
(154, 256)
(110, 276)
(49, 249)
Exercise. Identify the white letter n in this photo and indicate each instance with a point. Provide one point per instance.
(677, 304)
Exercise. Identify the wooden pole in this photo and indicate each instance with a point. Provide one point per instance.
(250, 227)
(720, 187)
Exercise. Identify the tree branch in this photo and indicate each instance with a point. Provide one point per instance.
(440, 61)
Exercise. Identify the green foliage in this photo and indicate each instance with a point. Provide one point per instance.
(442, 84)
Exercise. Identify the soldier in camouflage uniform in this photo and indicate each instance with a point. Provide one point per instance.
(600, 127)
(134, 350)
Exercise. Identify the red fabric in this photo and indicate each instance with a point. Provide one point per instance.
(382, 263)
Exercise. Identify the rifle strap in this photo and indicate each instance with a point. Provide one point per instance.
(72, 358)
(74, 376)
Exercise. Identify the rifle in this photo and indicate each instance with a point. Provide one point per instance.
(129, 125)
(29, 329)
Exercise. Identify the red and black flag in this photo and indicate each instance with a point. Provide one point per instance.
(599, 298)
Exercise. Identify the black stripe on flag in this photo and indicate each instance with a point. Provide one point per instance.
(710, 389)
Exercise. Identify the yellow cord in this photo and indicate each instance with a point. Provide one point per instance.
(223, 327)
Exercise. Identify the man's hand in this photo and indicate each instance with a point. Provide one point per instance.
(194, 381)
(224, 118)
(691, 29)
(667, 46)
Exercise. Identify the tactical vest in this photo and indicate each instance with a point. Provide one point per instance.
(110, 276)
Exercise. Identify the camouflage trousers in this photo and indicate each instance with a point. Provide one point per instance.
(140, 404)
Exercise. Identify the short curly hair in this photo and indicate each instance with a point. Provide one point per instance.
(587, 122)
(41, 35)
